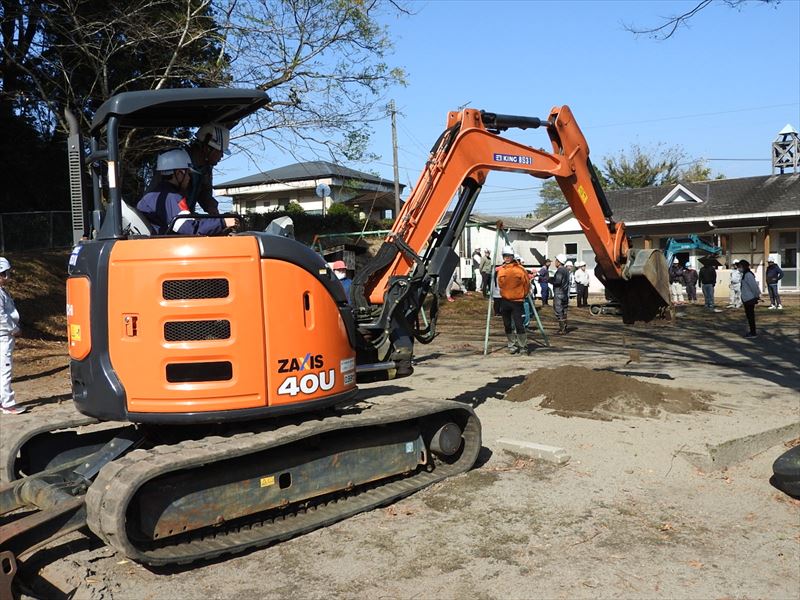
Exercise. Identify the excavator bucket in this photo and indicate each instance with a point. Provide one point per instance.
(644, 290)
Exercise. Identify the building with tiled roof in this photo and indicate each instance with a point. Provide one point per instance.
(750, 218)
(314, 185)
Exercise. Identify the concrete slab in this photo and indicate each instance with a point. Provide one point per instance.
(541, 451)
(716, 457)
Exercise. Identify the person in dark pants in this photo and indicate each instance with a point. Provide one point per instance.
(561, 293)
(486, 269)
(708, 279)
(514, 284)
(690, 278)
(750, 296)
(544, 281)
(582, 284)
(774, 275)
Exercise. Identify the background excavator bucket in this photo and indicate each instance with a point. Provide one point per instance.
(644, 290)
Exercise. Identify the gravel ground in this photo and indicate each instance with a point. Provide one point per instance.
(627, 516)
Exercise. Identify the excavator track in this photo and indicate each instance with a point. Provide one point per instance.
(22, 435)
(111, 496)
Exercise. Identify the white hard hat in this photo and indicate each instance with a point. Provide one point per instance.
(580, 264)
(562, 258)
(215, 135)
(569, 264)
(508, 251)
(177, 158)
(4, 264)
(517, 257)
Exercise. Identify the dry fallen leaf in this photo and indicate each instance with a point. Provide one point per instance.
(696, 564)
(666, 527)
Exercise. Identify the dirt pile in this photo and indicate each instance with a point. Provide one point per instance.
(583, 392)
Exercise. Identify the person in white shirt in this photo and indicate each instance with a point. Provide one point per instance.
(736, 287)
(9, 329)
(582, 284)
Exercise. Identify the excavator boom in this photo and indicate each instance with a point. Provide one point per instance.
(461, 159)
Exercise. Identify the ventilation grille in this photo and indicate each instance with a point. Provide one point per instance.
(194, 289)
(187, 331)
(198, 372)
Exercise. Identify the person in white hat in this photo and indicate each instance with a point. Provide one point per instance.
(582, 284)
(168, 199)
(210, 143)
(735, 287)
(561, 292)
(9, 329)
(676, 282)
(514, 285)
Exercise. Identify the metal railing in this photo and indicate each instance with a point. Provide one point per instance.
(35, 230)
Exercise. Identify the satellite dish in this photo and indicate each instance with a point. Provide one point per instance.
(323, 190)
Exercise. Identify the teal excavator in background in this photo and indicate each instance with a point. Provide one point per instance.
(692, 242)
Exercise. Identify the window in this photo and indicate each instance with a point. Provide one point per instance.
(571, 250)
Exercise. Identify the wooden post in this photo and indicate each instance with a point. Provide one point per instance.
(766, 257)
(648, 242)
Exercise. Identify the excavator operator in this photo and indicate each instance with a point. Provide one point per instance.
(168, 200)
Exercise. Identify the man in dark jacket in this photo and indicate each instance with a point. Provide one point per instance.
(774, 275)
(708, 279)
(690, 279)
(544, 280)
(561, 293)
(164, 204)
(676, 282)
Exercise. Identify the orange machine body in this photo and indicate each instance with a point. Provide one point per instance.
(204, 328)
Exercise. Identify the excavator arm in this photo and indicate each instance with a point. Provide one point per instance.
(416, 257)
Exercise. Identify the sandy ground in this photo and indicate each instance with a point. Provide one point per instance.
(628, 516)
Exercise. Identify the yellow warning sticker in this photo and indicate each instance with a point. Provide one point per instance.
(268, 481)
(582, 193)
(75, 332)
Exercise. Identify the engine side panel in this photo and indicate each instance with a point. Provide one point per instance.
(184, 319)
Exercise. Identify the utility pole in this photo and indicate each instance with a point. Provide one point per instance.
(393, 113)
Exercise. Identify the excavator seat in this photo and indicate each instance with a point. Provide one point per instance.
(134, 222)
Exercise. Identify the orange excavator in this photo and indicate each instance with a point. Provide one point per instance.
(216, 377)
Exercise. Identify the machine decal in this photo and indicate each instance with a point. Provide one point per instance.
(347, 364)
(73, 257)
(516, 159)
(308, 384)
(309, 361)
(582, 193)
(267, 481)
(349, 378)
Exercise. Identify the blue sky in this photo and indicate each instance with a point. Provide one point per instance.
(721, 88)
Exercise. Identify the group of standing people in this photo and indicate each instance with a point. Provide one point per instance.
(685, 278)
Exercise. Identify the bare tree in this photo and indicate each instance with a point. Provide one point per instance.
(323, 63)
(671, 24)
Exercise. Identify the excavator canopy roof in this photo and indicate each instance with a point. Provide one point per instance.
(184, 107)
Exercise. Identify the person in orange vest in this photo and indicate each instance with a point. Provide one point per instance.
(514, 284)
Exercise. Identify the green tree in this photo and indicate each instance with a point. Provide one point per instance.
(661, 165)
(552, 200)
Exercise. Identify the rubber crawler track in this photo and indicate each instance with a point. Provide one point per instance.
(22, 435)
(108, 498)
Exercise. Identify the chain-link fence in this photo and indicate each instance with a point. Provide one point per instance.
(35, 230)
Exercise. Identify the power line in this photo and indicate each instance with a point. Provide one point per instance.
(710, 114)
